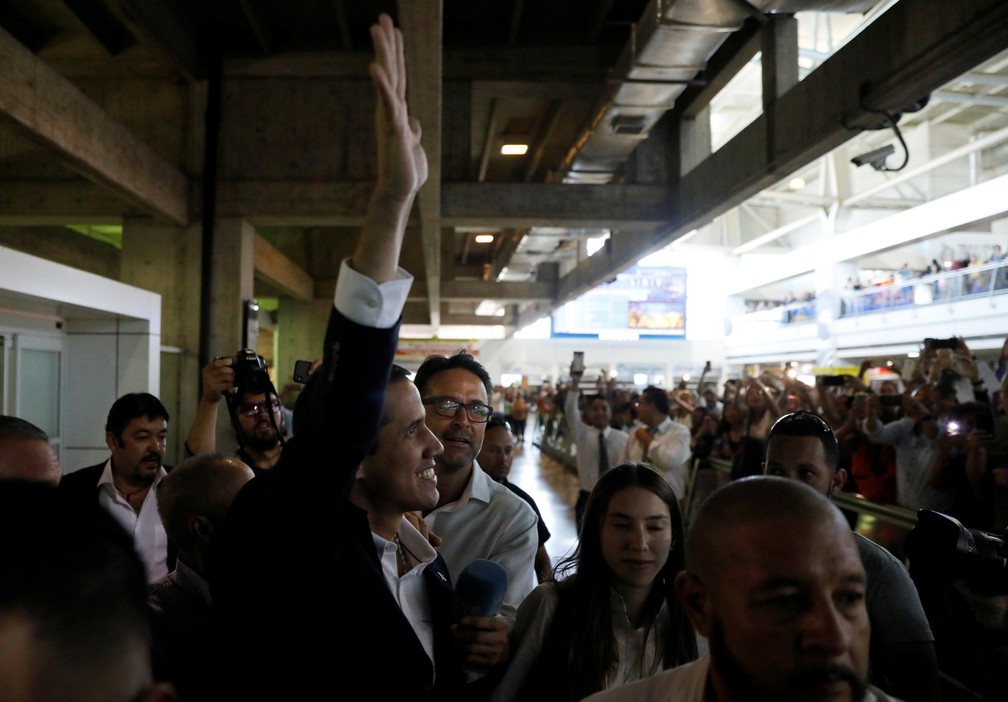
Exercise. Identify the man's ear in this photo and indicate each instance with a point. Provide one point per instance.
(839, 480)
(111, 441)
(201, 528)
(692, 594)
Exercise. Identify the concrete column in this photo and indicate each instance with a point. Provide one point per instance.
(165, 259)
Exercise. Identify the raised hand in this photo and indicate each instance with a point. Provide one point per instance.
(402, 162)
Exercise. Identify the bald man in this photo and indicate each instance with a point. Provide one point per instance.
(773, 579)
(192, 500)
(802, 447)
(25, 453)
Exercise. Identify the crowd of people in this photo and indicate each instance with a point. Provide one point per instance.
(935, 437)
(351, 558)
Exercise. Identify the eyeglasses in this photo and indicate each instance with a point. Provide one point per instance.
(251, 410)
(447, 407)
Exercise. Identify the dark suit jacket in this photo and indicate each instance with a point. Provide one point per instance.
(302, 605)
(82, 485)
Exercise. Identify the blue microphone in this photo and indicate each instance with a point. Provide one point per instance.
(480, 589)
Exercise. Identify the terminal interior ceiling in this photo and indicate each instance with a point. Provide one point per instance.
(722, 124)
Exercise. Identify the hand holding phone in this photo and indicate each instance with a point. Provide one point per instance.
(577, 363)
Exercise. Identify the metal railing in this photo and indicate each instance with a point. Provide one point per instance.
(989, 278)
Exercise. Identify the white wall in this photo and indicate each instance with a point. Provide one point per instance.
(112, 337)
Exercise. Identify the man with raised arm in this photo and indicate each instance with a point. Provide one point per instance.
(310, 598)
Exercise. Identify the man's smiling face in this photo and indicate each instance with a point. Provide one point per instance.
(461, 437)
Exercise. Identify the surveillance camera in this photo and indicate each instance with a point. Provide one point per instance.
(875, 158)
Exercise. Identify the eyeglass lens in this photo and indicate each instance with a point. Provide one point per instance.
(477, 412)
(252, 410)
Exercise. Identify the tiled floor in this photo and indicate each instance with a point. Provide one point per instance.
(554, 489)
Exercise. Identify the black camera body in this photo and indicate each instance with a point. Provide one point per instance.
(950, 343)
(251, 372)
(940, 546)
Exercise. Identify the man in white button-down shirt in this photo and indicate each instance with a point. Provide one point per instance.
(662, 442)
(586, 427)
(475, 517)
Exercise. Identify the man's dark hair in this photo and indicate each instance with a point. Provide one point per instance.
(497, 419)
(433, 365)
(657, 397)
(74, 573)
(131, 406)
(398, 373)
(803, 423)
(17, 428)
(589, 399)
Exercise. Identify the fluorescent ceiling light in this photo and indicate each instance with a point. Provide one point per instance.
(484, 238)
(514, 149)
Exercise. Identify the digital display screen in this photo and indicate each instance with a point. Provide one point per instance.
(643, 302)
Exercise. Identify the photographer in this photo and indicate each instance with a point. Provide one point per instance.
(961, 464)
(253, 406)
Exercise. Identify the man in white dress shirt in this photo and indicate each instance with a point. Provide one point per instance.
(475, 517)
(586, 427)
(661, 441)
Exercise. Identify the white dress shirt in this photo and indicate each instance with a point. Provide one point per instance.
(586, 441)
(535, 618)
(409, 590)
(669, 451)
(362, 300)
(148, 532)
(489, 521)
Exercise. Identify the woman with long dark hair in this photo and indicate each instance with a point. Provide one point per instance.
(611, 616)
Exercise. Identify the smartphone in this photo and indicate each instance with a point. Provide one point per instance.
(890, 400)
(577, 364)
(833, 381)
(301, 371)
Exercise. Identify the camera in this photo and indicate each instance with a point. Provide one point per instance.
(251, 372)
(876, 158)
(950, 343)
(940, 545)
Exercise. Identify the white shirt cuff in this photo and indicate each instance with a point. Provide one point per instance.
(362, 300)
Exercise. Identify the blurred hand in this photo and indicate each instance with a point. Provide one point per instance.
(977, 439)
(218, 377)
(420, 525)
(483, 641)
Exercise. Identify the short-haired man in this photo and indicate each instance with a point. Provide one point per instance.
(319, 584)
(801, 446)
(476, 517)
(72, 595)
(192, 501)
(773, 580)
(495, 458)
(136, 432)
(592, 431)
(256, 414)
(25, 453)
(660, 441)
